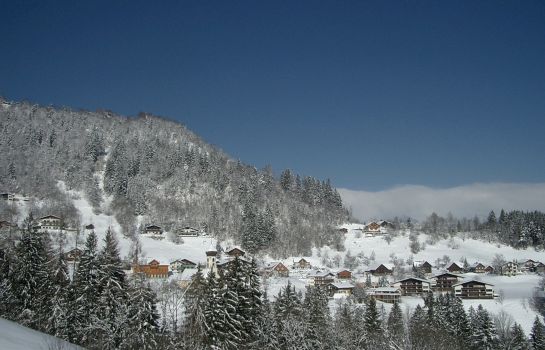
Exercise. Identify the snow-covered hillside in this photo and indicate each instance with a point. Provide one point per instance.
(13, 336)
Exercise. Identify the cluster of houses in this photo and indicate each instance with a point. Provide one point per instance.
(510, 268)
(374, 228)
(186, 231)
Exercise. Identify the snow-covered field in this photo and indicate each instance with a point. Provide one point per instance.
(13, 336)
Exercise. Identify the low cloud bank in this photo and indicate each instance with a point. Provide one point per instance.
(420, 201)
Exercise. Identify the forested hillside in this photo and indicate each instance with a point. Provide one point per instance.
(157, 169)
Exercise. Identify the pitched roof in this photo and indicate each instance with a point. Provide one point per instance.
(471, 280)
(413, 278)
(342, 285)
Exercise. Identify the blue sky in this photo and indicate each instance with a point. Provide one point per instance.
(372, 94)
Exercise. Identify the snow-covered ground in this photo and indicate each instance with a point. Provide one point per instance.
(13, 336)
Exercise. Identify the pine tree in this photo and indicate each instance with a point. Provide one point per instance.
(537, 336)
(395, 326)
(518, 338)
(195, 323)
(315, 305)
(484, 332)
(112, 307)
(61, 282)
(143, 318)
(418, 329)
(372, 323)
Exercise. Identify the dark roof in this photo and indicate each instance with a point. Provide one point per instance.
(153, 227)
(90, 227)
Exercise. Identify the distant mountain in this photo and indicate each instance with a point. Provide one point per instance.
(150, 170)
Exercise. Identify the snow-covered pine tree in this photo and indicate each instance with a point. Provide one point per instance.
(518, 339)
(483, 330)
(83, 294)
(61, 281)
(395, 326)
(143, 319)
(194, 302)
(418, 328)
(317, 316)
(112, 307)
(537, 336)
(372, 324)
(214, 313)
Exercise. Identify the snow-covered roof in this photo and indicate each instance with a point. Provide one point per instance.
(187, 274)
(342, 285)
(442, 273)
(384, 290)
(471, 280)
(320, 274)
(413, 278)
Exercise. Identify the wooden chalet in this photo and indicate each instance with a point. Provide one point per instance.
(188, 232)
(385, 294)
(422, 266)
(412, 286)
(444, 282)
(49, 222)
(509, 269)
(302, 264)
(73, 255)
(236, 252)
(321, 278)
(180, 265)
(344, 275)
(477, 268)
(382, 270)
(276, 269)
(539, 268)
(341, 289)
(153, 229)
(372, 229)
(152, 270)
(455, 268)
(489, 269)
(473, 289)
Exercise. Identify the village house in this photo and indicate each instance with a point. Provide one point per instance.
(344, 275)
(422, 266)
(185, 278)
(382, 270)
(489, 269)
(539, 268)
(276, 269)
(373, 229)
(49, 222)
(153, 229)
(321, 278)
(180, 265)
(152, 270)
(187, 232)
(444, 282)
(455, 268)
(340, 289)
(509, 269)
(477, 268)
(302, 264)
(235, 252)
(73, 255)
(473, 289)
(385, 294)
(412, 286)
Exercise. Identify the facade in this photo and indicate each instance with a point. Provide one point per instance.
(321, 278)
(422, 266)
(539, 268)
(152, 270)
(187, 232)
(474, 290)
(382, 270)
(509, 269)
(236, 252)
(455, 268)
(276, 269)
(182, 264)
(444, 282)
(73, 255)
(341, 288)
(477, 268)
(385, 294)
(373, 229)
(302, 264)
(489, 269)
(344, 275)
(153, 229)
(412, 286)
(49, 222)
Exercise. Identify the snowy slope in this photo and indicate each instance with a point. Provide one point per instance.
(16, 337)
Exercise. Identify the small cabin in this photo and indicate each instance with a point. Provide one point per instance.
(236, 252)
(344, 275)
(477, 268)
(187, 232)
(154, 230)
(73, 255)
(341, 289)
(276, 269)
(422, 266)
(489, 269)
(180, 265)
(372, 228)
(455, 268)
(152, 270)
(302, 264)
(382, 270)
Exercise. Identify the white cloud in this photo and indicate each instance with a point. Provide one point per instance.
(420, 201)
